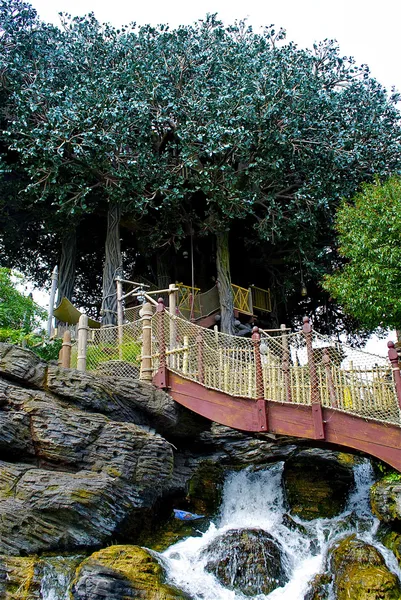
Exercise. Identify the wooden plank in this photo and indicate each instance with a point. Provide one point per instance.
(380, 440)
(239, 413)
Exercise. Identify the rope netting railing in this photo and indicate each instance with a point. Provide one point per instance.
(113, 351)
(300, 367)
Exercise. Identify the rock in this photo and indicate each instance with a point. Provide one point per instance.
(318, 587)
(248, 560)
(110, 471)
(162, 536)
(124, 399)
(317, 484)
(22, 365)
(291, 524)
(34, 578)
(392, 541)
(121, 572)
(20, 578)
(234, 448)
(360, 572)
(205, 488)
(385, 500)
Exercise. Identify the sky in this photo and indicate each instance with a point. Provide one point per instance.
(365, 29)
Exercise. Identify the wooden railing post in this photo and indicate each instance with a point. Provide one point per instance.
(66, 350)
(329, 376)
(82, 342)
(314, 385)
(160, 379)
(201, 365)
(395, 367)
(286, 363)
(260, 391)
(172, 308)
(120, 317)
(146, 357)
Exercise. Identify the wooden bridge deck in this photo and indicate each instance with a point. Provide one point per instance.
(351, 432)
(299, 384)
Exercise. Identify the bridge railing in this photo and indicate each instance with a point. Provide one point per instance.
(303, 368)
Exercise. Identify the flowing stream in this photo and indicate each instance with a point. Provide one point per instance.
(58, 573)
(254, 500)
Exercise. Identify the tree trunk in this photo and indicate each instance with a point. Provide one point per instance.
(163, 265)
(224, 283)
(112, 265)
(66, 271)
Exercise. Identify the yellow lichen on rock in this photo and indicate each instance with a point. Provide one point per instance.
(22, 578)
(140, 570)
(360, 572)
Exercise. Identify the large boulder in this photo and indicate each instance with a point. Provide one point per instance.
(248, 560)
(121, 572)
(317, 483)
(22, 365)
(385, 500)
(82, 474)
(125, 399)
(392, 541)
(360, 572)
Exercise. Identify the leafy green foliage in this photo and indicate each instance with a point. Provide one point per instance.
(48, 349)
(18, 313)
(199, 130)
(369, 229)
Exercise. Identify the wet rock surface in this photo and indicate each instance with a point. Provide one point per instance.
(317, 484)
(385, 500)
(121, 572)
(248, 560)
(360, 572)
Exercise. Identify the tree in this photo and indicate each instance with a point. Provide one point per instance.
(19, 315)
(369, 233)
(206, 131)
(266, 135)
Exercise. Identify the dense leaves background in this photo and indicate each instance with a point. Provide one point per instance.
(185, 134)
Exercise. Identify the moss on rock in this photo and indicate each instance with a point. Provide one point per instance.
(385, 500)
(318, 587)
(317, 483)
(392, 541)
(20, 578)
(120, 572)
(360, 572)
(205, 488)
(169, 533)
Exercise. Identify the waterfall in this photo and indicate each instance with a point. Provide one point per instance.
(58, 573)
(254, 500)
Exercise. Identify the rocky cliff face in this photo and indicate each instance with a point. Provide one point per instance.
(84, 460)
(78, 454)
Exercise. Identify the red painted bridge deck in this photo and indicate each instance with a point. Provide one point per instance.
(328, 425)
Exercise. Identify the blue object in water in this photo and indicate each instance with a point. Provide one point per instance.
(183, 515)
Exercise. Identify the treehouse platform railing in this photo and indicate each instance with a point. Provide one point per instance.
(301, 368)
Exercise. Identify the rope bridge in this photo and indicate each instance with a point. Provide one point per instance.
(294, 383)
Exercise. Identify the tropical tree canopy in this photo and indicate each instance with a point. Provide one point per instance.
(213, 132)
(369, 232)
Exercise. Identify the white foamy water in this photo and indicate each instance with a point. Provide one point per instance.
(58, 573)
(254, 500)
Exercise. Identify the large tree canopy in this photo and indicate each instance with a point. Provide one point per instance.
(369, 230)
(204, 131)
